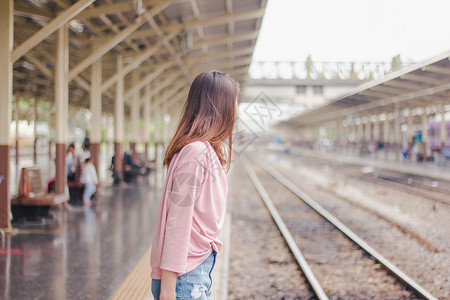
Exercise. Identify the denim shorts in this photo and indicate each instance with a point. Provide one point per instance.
(193, 285)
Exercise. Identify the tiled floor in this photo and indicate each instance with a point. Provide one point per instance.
(83, 253)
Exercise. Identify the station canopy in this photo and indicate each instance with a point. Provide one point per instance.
(168, 41)
(425, 84)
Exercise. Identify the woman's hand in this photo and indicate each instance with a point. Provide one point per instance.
(168, 285)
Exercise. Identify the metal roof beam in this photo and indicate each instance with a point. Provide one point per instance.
(104, 48)
(225, 39)
(236, 17)
(147, 79)
(375, 104)
(169, 94)
(114, 8)
(426, 79)
(25, 11)
(178, 96)
(227, 65)
(405, 85)
(50, 28)
(223, 54)
(140, 59)
(376, 94)
(167, 45)
(437, 69)
(162, 85)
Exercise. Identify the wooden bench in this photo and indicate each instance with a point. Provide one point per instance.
(31, 203)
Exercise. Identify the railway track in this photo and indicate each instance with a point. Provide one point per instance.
(413, 184)
(326, 228)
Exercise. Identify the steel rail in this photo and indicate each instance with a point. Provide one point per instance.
(285, 231)
(399, 186)
(347, 231)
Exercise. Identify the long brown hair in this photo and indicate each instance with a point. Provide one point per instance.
(208, 115)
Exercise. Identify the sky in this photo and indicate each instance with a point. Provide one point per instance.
(353, 30)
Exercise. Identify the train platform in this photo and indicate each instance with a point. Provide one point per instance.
(429, 169)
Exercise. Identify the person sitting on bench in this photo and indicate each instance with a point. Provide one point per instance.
(90, 180)
(72, 161)
(132, 165)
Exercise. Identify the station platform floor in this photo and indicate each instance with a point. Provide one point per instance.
(430, 169)
(98, 252)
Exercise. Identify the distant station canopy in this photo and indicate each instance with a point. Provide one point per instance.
(425, 84)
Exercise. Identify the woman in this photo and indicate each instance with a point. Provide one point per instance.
(192, 211)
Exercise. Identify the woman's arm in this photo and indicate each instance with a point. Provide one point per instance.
(168, 285)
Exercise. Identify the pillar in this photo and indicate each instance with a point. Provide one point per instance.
(96, 110)
(35, 137)
(156, 133)
(409, 121)
(16, 119)
(360, 131)
(346, 136)
(134, 114)
(386, 136)
(376, 135)
(165, 124)
(424, 134)
(368, 135)
(118, 124)
(355, 136)
(6, 46)
(61, 105)
(147, 119)
(397, 134)
(443, 131)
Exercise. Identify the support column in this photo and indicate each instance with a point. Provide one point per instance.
(62, 106)
(368, 135)
(147, 119)
(165, 124)
(156, 133)
(118, 124)
(409, 121)
(134, 114)
(355, 137)
(443, 131)
(425, 134)
(96, 110)
(360, 139)
(35, 137)
(16, 120)
(6, 46)
(397, 133)
(376, 135)
(386, 136)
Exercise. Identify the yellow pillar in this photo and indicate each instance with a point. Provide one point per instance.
(6, 46)
(376, 134)
(147, 119)
(118, 123)
(409, 121)
(61, 105)
(386, 136)
(134, 113)
(96, 110)
(443, 131)
(425, 134)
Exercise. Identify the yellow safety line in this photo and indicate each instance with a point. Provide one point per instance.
(137, 285)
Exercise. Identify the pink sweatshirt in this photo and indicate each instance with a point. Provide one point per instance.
(192, 211)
